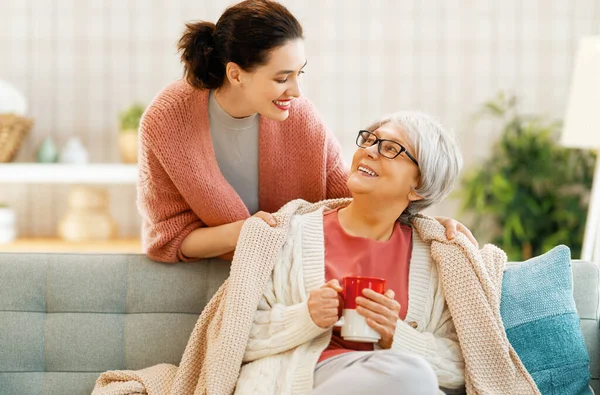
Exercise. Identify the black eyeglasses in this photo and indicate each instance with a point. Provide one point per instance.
(387, 148)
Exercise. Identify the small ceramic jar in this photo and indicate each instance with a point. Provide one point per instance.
(8, 230)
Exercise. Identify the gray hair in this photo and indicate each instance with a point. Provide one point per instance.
(437, 152)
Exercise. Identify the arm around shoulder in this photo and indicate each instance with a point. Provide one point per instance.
(166, 218)
(172, 230)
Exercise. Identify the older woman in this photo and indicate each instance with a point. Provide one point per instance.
(404, 164)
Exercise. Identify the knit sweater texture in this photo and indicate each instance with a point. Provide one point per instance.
(260, 316)
(180, 186)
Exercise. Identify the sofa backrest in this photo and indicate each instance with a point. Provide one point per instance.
(64, 319)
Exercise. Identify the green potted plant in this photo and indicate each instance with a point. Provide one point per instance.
(531, 193)
(129, 122)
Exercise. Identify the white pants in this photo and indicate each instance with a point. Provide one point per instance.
(375, 372)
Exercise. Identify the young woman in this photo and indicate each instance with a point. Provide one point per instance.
(234, 138)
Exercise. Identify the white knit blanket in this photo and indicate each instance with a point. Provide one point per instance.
(213, 356)
(472, 284)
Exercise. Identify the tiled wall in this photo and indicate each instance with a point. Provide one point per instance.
(80, 61)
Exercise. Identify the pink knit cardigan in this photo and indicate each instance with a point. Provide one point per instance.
(181, 188)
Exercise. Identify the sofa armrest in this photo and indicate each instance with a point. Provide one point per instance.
(586, 291)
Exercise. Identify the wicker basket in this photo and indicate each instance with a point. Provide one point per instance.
(13, 129)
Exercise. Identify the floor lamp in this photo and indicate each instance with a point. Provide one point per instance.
(582, 130)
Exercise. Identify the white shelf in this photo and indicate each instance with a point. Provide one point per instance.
(41, 173)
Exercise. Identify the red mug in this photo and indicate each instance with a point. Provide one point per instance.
(354, 286)
(354, 326)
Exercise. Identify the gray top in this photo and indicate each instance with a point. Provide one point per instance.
(235, 141)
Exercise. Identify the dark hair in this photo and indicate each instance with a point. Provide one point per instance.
(245, 34)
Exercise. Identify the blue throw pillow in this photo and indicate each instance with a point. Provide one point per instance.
(541, 322)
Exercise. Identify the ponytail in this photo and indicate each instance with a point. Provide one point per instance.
(203, 68)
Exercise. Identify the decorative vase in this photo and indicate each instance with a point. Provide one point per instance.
(74, 152)
(47, 153)
(87, 217)
(8, 231)
(128, 146)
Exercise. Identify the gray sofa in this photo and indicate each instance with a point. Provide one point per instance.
(64, 319)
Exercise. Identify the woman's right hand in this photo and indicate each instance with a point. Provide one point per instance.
(323, 304)
(236, 227)
(267, 217)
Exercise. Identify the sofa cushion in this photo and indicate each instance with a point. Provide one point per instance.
(66, 318)
(541, 322)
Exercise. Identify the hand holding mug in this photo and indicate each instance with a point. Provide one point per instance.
(354, 325)
(323, 304)
(381, 312)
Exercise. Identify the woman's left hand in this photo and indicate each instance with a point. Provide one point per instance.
(452, 226)
(381, 312)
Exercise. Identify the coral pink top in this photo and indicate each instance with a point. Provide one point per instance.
(181, 188)
(357, 256)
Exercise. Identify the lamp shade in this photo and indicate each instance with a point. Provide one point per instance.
(582, 121)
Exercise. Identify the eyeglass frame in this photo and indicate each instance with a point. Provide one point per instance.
(379, 141)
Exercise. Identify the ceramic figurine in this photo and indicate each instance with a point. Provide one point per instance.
(47, 153)
(74, 152)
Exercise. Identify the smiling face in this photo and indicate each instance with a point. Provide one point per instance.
(387, 180)
(270, 89)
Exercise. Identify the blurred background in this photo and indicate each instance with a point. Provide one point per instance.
(81, 64)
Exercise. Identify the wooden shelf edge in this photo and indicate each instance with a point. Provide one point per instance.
(55, 245)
